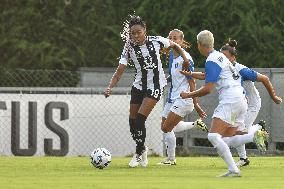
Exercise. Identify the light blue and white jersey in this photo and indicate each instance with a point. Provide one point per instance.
(179, 81)
(249, 76)
(219, 70)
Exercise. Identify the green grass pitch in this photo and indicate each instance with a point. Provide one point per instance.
(190, 172)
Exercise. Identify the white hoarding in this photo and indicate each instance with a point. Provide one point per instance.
(71, 124)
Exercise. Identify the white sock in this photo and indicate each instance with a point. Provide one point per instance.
(170, 141)
(238, 140)
(254, 128)
(235, 140)
(242, 151)
(223, 150)
(182, 126)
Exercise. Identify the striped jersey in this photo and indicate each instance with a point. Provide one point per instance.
(147, 62)
(179, 82)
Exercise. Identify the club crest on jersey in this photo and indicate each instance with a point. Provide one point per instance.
(148, 63)
(235, 76)
(220, 59)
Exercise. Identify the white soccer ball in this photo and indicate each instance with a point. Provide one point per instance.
(100, 158)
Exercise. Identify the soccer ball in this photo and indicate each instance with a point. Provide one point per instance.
(100, 158)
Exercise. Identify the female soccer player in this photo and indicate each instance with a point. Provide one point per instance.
(144, 52)
(176, 108)
(230, 112)
(252, 94)
(255, 134)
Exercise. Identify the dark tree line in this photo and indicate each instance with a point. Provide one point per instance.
(68, 34)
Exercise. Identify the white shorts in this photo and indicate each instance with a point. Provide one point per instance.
(251, 115)
(232, 113)
(180, 107)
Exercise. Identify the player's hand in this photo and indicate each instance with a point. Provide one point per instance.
(184, 95)
(107, 92)
(186, 72)
(200, 111)
(185, 65)
(277, 99)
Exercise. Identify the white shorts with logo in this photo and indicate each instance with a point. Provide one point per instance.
(232, 113)
(180, 107)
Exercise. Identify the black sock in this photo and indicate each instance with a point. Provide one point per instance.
(140, 133)
(132, 128)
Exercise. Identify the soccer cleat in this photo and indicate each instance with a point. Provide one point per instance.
(144, 160)
(262, 123)
(259, 139)
(135, 161)
(168, 162)
(243, 162)
(201, 125)
(231, 174)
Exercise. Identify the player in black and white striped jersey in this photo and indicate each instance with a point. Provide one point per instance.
(144, 52)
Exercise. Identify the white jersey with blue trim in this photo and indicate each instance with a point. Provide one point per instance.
(249, 77)
(179, 81)
(219, 70)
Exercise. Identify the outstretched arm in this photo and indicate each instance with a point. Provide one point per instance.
(178, 49)
(268, 85)
(115, 78)
(197, 107)
(196, 75)
(206, 89)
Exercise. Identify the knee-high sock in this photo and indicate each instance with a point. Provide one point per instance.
(132, 128)
(140, 133)
(242, 148)
(242, 151)
(238, 140)
(182, 126)
(170, 142)
(254, 128)
(223, 150)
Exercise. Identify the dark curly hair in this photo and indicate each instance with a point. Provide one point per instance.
(128, 23)
(136, 20)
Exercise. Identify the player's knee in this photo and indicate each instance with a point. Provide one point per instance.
(166, 128)
(213, 138)
(162, 123)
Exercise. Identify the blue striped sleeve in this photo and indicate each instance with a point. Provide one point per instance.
(171, 58)
(191, 68)
(212, 72)
(248, 74)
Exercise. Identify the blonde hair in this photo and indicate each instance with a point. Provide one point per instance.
(184, 44)
(206, 39)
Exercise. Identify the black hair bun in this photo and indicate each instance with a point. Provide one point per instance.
(232, 43)
(136, 20)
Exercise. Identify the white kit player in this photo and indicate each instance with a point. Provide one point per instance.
(230, 113)
(177, 108)
(228, 105)
(254, 101)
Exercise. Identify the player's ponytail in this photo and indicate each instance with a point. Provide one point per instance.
(185, 44)
(231, 47)
(232, 43)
